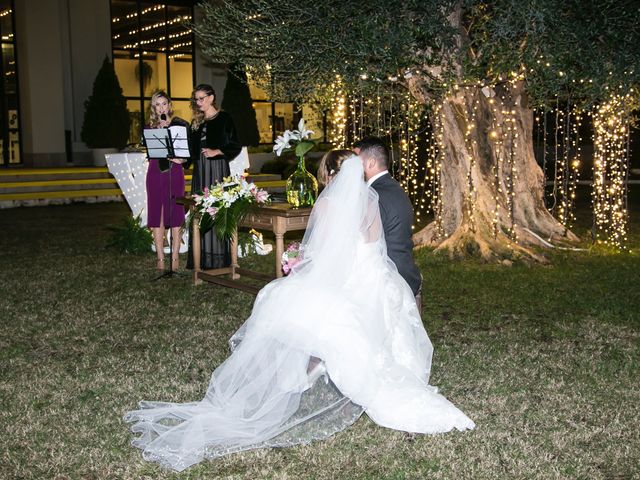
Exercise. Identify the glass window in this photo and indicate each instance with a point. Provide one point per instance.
(313, 120)
(9, 97)
(6, 20)
(137, 120)
(125, 65)
(274, 118)
(182, 109)
(263, 117)
(284, 118)
(181, 74)
(152, 50)
(154, 73)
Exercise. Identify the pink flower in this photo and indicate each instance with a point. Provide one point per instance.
(261, 196)
(291, 257)
(212, 211)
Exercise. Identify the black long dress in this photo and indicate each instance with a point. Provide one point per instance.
(216, 133)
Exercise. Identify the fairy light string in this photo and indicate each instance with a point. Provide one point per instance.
(611, 122)
(418, 151)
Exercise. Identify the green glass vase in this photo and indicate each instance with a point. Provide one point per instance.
(302, 187)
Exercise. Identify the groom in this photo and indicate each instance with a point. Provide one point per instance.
(396, 210)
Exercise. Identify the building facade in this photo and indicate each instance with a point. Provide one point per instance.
(53, 49)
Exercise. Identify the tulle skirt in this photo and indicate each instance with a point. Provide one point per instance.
(373, 346)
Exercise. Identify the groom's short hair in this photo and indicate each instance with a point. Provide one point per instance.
(374, 147)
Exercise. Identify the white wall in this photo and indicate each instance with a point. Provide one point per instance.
(40, 69)
(89, 41)
(61, 45)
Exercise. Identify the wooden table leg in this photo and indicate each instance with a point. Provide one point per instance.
(234, 255)
(195, 244)
(279, 229)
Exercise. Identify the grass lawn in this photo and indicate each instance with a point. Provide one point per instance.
(545, 359)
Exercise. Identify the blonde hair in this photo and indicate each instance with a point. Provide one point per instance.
(153, 117)
(330, 164)
(198, 115)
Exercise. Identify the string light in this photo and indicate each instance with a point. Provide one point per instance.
(611, 122)
(131, 15)
(338, 114)
(368, 110)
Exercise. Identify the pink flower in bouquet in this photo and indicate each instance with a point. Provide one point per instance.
(291, 257)
(261, 196)
(212, 211)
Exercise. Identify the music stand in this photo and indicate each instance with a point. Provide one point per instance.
(164, 144)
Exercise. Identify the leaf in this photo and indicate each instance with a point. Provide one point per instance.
(130, 237)
(303, 147)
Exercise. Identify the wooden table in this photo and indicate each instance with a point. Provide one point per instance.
(278, 218)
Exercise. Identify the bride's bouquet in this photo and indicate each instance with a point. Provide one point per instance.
(291, 257)
(223, 205)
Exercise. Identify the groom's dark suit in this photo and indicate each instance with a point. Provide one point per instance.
(396, 213)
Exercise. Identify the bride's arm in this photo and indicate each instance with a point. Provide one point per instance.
(371, 227)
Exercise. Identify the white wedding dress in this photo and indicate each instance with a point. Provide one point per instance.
(344, 304)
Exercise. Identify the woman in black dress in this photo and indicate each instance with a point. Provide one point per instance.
(218, 145)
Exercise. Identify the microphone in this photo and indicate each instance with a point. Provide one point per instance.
(163, 163)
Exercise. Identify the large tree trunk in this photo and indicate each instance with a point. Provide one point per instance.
(491, 190)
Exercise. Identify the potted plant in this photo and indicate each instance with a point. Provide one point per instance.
(106, 119)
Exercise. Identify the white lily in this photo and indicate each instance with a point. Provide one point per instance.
(302, 133)
(282, 143)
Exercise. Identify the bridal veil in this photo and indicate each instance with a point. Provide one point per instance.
(344, 304)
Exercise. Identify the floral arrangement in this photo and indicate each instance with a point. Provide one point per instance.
(224, 204)
(291, 257)
(297, 138)
(301, 187)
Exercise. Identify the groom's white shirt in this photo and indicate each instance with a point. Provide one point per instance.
(376, 176)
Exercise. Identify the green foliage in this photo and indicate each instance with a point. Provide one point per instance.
(106, 118)
(296, 49)
(225, 222)
(237, 102)
(577, 50)
(303, 147)
(130, 237)
(293, 47)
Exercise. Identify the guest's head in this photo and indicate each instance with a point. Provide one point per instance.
(203, 103)
(330, 164)
(374, 155)
(160, 105)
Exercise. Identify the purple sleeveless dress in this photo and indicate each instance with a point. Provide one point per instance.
(162, 190)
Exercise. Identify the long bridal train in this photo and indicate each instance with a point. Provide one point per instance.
(344, 304)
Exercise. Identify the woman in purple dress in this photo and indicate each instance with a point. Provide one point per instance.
(165, 183)
(218, 145)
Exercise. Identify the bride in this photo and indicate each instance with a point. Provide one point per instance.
(339, 336)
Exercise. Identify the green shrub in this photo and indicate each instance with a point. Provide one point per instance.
(130, 237)
(237, 103)
(106, 118)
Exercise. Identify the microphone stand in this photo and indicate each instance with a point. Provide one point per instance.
(170, 154)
